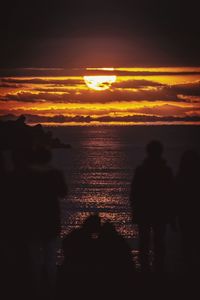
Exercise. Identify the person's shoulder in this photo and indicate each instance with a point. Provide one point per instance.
(140, 169)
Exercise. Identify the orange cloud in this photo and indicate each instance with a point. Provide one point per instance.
(157, 93)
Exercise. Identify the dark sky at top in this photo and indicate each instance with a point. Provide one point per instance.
(99, 33)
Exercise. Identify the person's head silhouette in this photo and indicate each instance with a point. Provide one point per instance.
(154, 149)
(108, 229)
(92, 224)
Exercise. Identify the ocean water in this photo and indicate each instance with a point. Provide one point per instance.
(100, 165)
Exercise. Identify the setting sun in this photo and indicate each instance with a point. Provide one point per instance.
(99, 83)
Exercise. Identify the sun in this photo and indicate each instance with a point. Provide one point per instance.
(99, 83)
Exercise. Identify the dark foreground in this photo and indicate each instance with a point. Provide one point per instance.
(136, 285)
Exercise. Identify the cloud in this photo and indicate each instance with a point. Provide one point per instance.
(160, 109)
(19, 80)
(51, 72)
(147, 118)
(25, 97)
(131, 83)
(130, 90)
(90, 96)
(53, 119)
(11, 86)
(53, 90)
(136, 84)
(106, 119)
(190, 89)
(165, 110)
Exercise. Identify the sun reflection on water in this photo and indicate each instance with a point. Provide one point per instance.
(99, 182)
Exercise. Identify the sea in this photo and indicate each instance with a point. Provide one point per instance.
(100, 165)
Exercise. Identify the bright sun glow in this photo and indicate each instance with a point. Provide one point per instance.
(99, 83)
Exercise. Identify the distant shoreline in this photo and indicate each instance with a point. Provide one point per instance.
(116, 125)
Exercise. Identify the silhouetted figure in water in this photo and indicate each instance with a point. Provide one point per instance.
(187, 184)
(151, 202)
(37, 188)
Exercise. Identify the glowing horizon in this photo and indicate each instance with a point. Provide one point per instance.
(103, 96)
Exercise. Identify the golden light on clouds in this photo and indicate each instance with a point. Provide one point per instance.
(99, 83)
(104, 96)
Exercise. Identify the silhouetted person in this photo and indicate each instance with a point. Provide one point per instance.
(79, 271)
(115, 252)
(80, 246)
(12, 258)
(150, 198)
(3, 220)
(187, 183)
(117, 266)
(38, 187)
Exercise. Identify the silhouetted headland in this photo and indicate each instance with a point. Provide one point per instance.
(17, 134)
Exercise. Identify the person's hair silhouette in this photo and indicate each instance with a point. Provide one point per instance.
(92, 224)
(154, 149)
(80, 239)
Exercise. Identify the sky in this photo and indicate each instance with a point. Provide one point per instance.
(47, 47)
